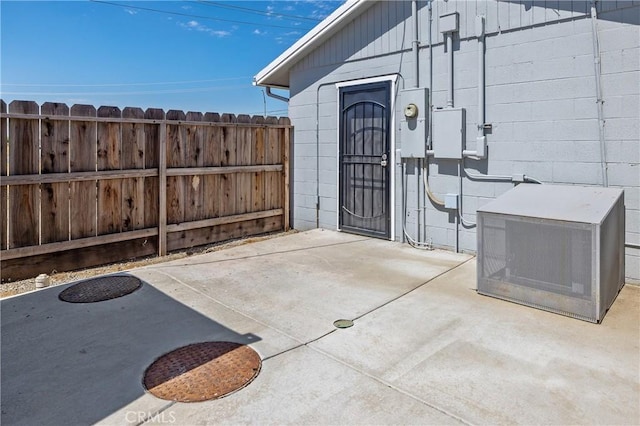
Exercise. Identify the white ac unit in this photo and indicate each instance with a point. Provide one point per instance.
(554, 247)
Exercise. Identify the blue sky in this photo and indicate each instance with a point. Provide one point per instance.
(196, 56)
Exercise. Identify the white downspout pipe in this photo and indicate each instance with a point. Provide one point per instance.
(274, 96)
(416, 83)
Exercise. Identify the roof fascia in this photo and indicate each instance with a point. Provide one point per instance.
(311, 40)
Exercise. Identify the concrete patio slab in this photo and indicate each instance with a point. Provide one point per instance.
(304, 387)
(494, 362)
(302, 284)
(425, 348)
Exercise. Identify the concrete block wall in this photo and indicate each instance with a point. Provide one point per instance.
(540, 100)
(619, 35)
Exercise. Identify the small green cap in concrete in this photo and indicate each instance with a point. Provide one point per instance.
(343, 323)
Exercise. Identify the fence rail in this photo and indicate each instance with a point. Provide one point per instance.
(82, 186)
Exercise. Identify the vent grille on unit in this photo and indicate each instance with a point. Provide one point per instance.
(553, 247)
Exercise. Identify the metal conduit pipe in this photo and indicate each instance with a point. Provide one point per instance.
(464, 222)
(412, 242)
(481, 79)
(415, 43)
(419, 163)
(499, 178)
(430, 77)
(480, 151)
(435, 200)
(599, 100)
(419, 209)
(450, 105)
(450, 69)
(481, 145)
(457, 234)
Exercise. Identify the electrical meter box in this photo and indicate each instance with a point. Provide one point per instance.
(413, 122)
(448, 133)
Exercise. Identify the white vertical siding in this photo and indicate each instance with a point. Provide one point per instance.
(378, 31)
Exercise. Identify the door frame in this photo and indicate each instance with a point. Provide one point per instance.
(392, 79)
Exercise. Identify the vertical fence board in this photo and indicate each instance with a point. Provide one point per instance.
(54, 157)
(211, 157)
(109, 158)
(23, 204)
(258, 157)
(151, 160)
(272, 156)
(83, 155)
(228, 206)
(193, 146)
(152, 138)
(133, 157)
(3, 172)
(194, 185)
(162, 192)
(133, 140)
(243, 156)
(176, 141)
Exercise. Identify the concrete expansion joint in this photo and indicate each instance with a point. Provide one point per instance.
(369, 312)
(293, 348)
(253, 256)
(394, 387)
(309, 344)
(414, 289)
(225, 305)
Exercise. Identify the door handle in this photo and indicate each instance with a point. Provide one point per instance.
(383, 160)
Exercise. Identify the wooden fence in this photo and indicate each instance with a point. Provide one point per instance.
(82, 186)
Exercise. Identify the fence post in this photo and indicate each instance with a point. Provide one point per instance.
(162, 191)
(4, 219)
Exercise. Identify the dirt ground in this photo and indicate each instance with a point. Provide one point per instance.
(18, 287)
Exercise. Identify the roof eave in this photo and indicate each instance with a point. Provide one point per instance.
(276, 74)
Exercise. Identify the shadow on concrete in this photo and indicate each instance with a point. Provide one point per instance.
(70, 363)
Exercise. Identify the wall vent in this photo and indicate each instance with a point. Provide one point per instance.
(553, 247)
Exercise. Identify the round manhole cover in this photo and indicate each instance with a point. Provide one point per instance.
(202, 371)
(99, 289)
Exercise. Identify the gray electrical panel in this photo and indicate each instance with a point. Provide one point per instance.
(413, 122)
(448, 133)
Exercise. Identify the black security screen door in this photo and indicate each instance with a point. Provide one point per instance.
(364, 159)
